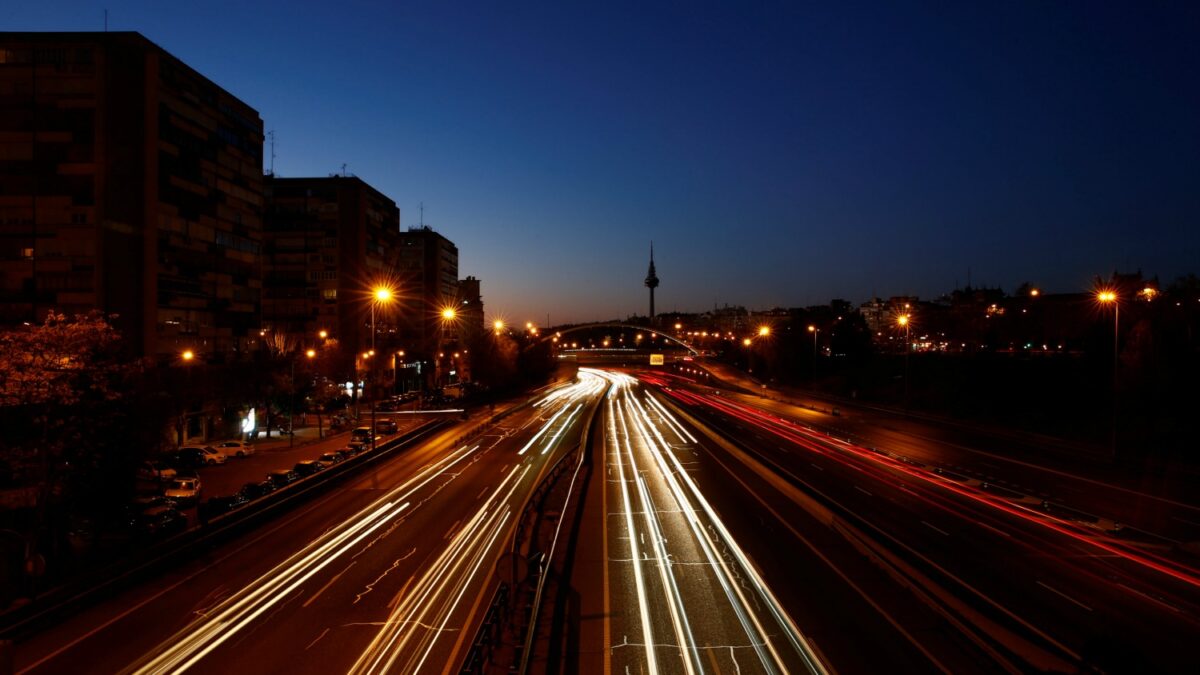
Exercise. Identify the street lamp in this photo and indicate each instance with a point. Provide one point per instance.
(292, 408)
(904, 321)
(814, 330)
(381, 294)
(1106, 297)
(764, 331)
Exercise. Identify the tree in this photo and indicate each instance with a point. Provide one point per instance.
(74, 426)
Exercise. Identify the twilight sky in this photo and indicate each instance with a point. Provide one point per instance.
(778, 153)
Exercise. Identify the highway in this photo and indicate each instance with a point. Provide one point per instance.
(700, 603)
(1028, 586)
(733, 535)
(385, 573)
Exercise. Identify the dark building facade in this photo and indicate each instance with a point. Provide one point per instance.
(429, 283)
(132, 184)
(327, 243)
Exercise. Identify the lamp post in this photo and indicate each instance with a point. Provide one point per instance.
(449, 314)
(292, 408)
(903, 320)
(187, 356)
(381, 294)
(1105, 298)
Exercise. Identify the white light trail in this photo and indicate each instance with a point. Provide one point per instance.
(642, 426)
(184, 649)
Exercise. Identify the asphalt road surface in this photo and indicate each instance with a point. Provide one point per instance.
(386, 573)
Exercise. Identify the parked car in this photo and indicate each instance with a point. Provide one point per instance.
(223, 504)
(282, 478)
(356, 447)
(386, 426)
(331, 458)
(131, 515)
(388, 406)
(308, 467)
(235, 448)
(256, 490)
(202, 455)
(160, 521)
(151, 501)
(156, 471)
(186, 491)
(362, 434)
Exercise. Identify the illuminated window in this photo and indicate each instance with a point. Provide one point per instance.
(329, 294)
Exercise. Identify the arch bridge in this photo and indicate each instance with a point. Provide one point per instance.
(558, 332)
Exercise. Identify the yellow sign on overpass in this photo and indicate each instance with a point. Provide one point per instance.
(656, 359)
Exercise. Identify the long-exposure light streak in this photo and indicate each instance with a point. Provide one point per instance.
(675, 605)
(562, 428)
(827, 445)
(188, 646)
(218, 629)
(426, 608)
(799, 643)
(635, 556)
(637, 428)
(757, 635)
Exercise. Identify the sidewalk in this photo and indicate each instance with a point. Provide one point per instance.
(303, 436)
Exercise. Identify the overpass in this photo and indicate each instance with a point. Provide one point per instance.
(560, 332)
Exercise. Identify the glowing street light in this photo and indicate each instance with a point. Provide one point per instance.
(380, 295)
(745, 342)
(497, 325)
(323, 334)
(449, 313)
(764, 331)
(814, 330)
(310, 353)
(1109, 297)
(187, 355)
(904, 321)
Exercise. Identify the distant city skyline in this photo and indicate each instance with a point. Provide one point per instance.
(776, 154)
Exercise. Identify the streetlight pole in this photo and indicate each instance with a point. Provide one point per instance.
(381, 294)
(1106, 297)
(292, 408)
(904, 321)
(814, 330)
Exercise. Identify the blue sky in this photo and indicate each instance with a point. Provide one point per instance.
(778, 153)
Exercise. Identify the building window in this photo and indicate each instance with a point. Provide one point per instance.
(329, 294)
(27, 253)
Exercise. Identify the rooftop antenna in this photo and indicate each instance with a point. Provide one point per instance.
(343, 169)
(422, 207)
(271, 135)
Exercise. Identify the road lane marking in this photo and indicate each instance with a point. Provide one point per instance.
(863, 491)
(482, 493)
(935, 529)
(815, 466)
(400, 593)
(327, 585)
(452, 528)
(1153, 599)
(323, 633)
(1064, 595)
